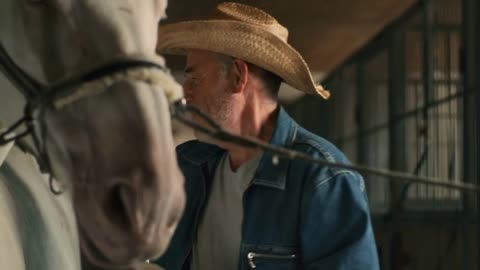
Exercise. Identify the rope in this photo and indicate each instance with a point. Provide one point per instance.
(215, 131)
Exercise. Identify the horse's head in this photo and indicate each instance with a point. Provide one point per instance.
(108, 139)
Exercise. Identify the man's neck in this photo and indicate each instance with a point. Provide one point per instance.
(257, 121)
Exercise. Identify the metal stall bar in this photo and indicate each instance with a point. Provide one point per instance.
(427, 72)
(396, 100)
(402, 117)
(470, 58)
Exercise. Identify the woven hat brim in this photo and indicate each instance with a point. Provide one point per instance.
(244, 41)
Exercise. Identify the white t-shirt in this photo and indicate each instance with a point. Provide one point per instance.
(220, 230)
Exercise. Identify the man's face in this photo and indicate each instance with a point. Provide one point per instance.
(206, 87)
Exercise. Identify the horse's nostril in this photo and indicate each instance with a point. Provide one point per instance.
(115, 208)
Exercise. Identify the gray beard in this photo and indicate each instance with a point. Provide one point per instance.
(221, 112)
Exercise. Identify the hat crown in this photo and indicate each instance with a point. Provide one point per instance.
(246, 33)
(249, 14)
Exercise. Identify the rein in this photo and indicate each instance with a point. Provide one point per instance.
(215, 131)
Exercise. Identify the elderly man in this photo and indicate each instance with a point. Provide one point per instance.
(247, 209)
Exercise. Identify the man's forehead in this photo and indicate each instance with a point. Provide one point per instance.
(200, 57)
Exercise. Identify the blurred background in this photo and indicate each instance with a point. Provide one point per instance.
(404, 77)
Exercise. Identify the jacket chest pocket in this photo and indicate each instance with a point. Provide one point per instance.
(273, 258)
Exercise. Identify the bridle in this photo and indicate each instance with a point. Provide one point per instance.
(39, 97)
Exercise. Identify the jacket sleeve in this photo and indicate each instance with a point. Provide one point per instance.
(336, 231)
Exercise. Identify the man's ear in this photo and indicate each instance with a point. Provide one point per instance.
(239, 75)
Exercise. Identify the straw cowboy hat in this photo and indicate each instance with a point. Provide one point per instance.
(246, 33)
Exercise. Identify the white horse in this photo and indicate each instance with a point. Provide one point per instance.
(105, 137)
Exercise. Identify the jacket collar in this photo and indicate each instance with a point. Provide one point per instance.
(271, 170)
(200, 153)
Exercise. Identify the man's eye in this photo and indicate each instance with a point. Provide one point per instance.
(193, 81)
(187, 75)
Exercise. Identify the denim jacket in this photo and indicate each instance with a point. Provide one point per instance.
(297, 215)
